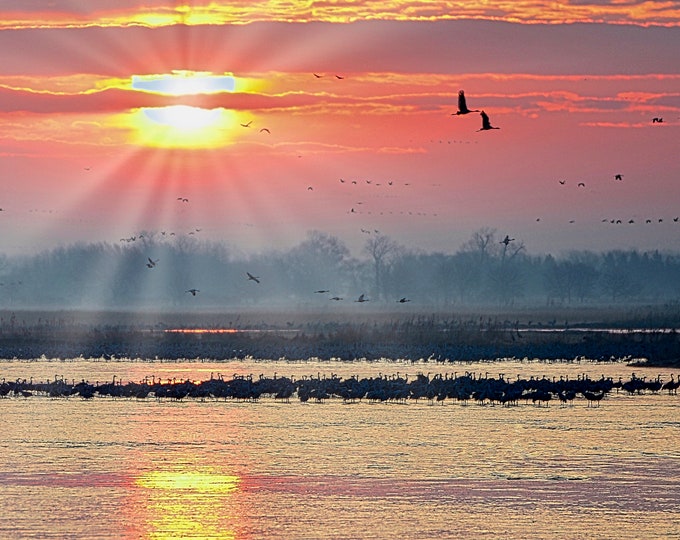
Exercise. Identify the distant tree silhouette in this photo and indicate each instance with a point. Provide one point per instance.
(380, 248)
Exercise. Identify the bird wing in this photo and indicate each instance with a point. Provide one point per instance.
(462, 105)
(485, 120)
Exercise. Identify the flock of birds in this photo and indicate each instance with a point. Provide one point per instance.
(471, 386)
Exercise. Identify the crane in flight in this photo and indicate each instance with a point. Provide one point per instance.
(462, 105)
(251, 277)
(486, 124)
(507, 240)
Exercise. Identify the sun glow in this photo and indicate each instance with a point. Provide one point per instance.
(182, 126)
(182, 83)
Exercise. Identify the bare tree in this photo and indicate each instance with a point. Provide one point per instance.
(381, 248)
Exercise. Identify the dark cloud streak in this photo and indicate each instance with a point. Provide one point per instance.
(378, 46)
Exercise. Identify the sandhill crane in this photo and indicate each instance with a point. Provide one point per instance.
(507, 240)
(247, 124)
(618, 177)
(657, 120)
(362, 298)
(486, 125)
(581, 184)
(151, 263)
(265, 129)
(403, 300)
(251, 277)
(462, 105)
(193, 291)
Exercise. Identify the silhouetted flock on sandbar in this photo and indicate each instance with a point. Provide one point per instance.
(395, 388)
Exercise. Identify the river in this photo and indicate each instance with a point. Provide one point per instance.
(157, 469)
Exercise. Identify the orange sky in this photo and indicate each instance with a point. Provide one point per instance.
(265, 150)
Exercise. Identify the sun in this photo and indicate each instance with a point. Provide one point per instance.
(181, 125)
(183, 82)
(183, 117)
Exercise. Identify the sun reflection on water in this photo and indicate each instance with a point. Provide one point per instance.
(192, 503)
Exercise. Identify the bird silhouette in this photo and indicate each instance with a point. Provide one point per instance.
(251, 277)
(618, 177)
(403, 300)
(336, 298)
(339, 77)
(486, 125)
(193, 291)
(322, 291)
(247, 124)
(151, 263)
(362, 298)
(317, 75)
(563, 182)
(265, 129)
(506, 240)
(183, 199)
(581, 184)
(462, 105)
(657, 120)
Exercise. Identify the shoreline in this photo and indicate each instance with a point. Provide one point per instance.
(648, 338)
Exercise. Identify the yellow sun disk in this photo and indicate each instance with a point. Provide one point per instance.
(181, 126)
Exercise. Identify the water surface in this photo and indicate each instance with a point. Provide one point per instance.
(125, 468)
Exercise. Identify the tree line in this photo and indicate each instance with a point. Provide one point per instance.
(485, 271)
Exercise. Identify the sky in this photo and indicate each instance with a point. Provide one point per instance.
(251, 123)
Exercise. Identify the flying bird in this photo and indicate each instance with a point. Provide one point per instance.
(486, 125)
(403, 300)
(151, 262)
(317, 75)
(182, 199)
(462, 105)
(339, 77)
(563, 182)
(322, 291)
(581, 184)
(657, 120)
(193, 291)
(507, 240)
(336, 298)
(362, 298)
(618, 177)
(265, 129)
(251, 277)
(247, 124)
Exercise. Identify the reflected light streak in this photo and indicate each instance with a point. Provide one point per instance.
(189, 503)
